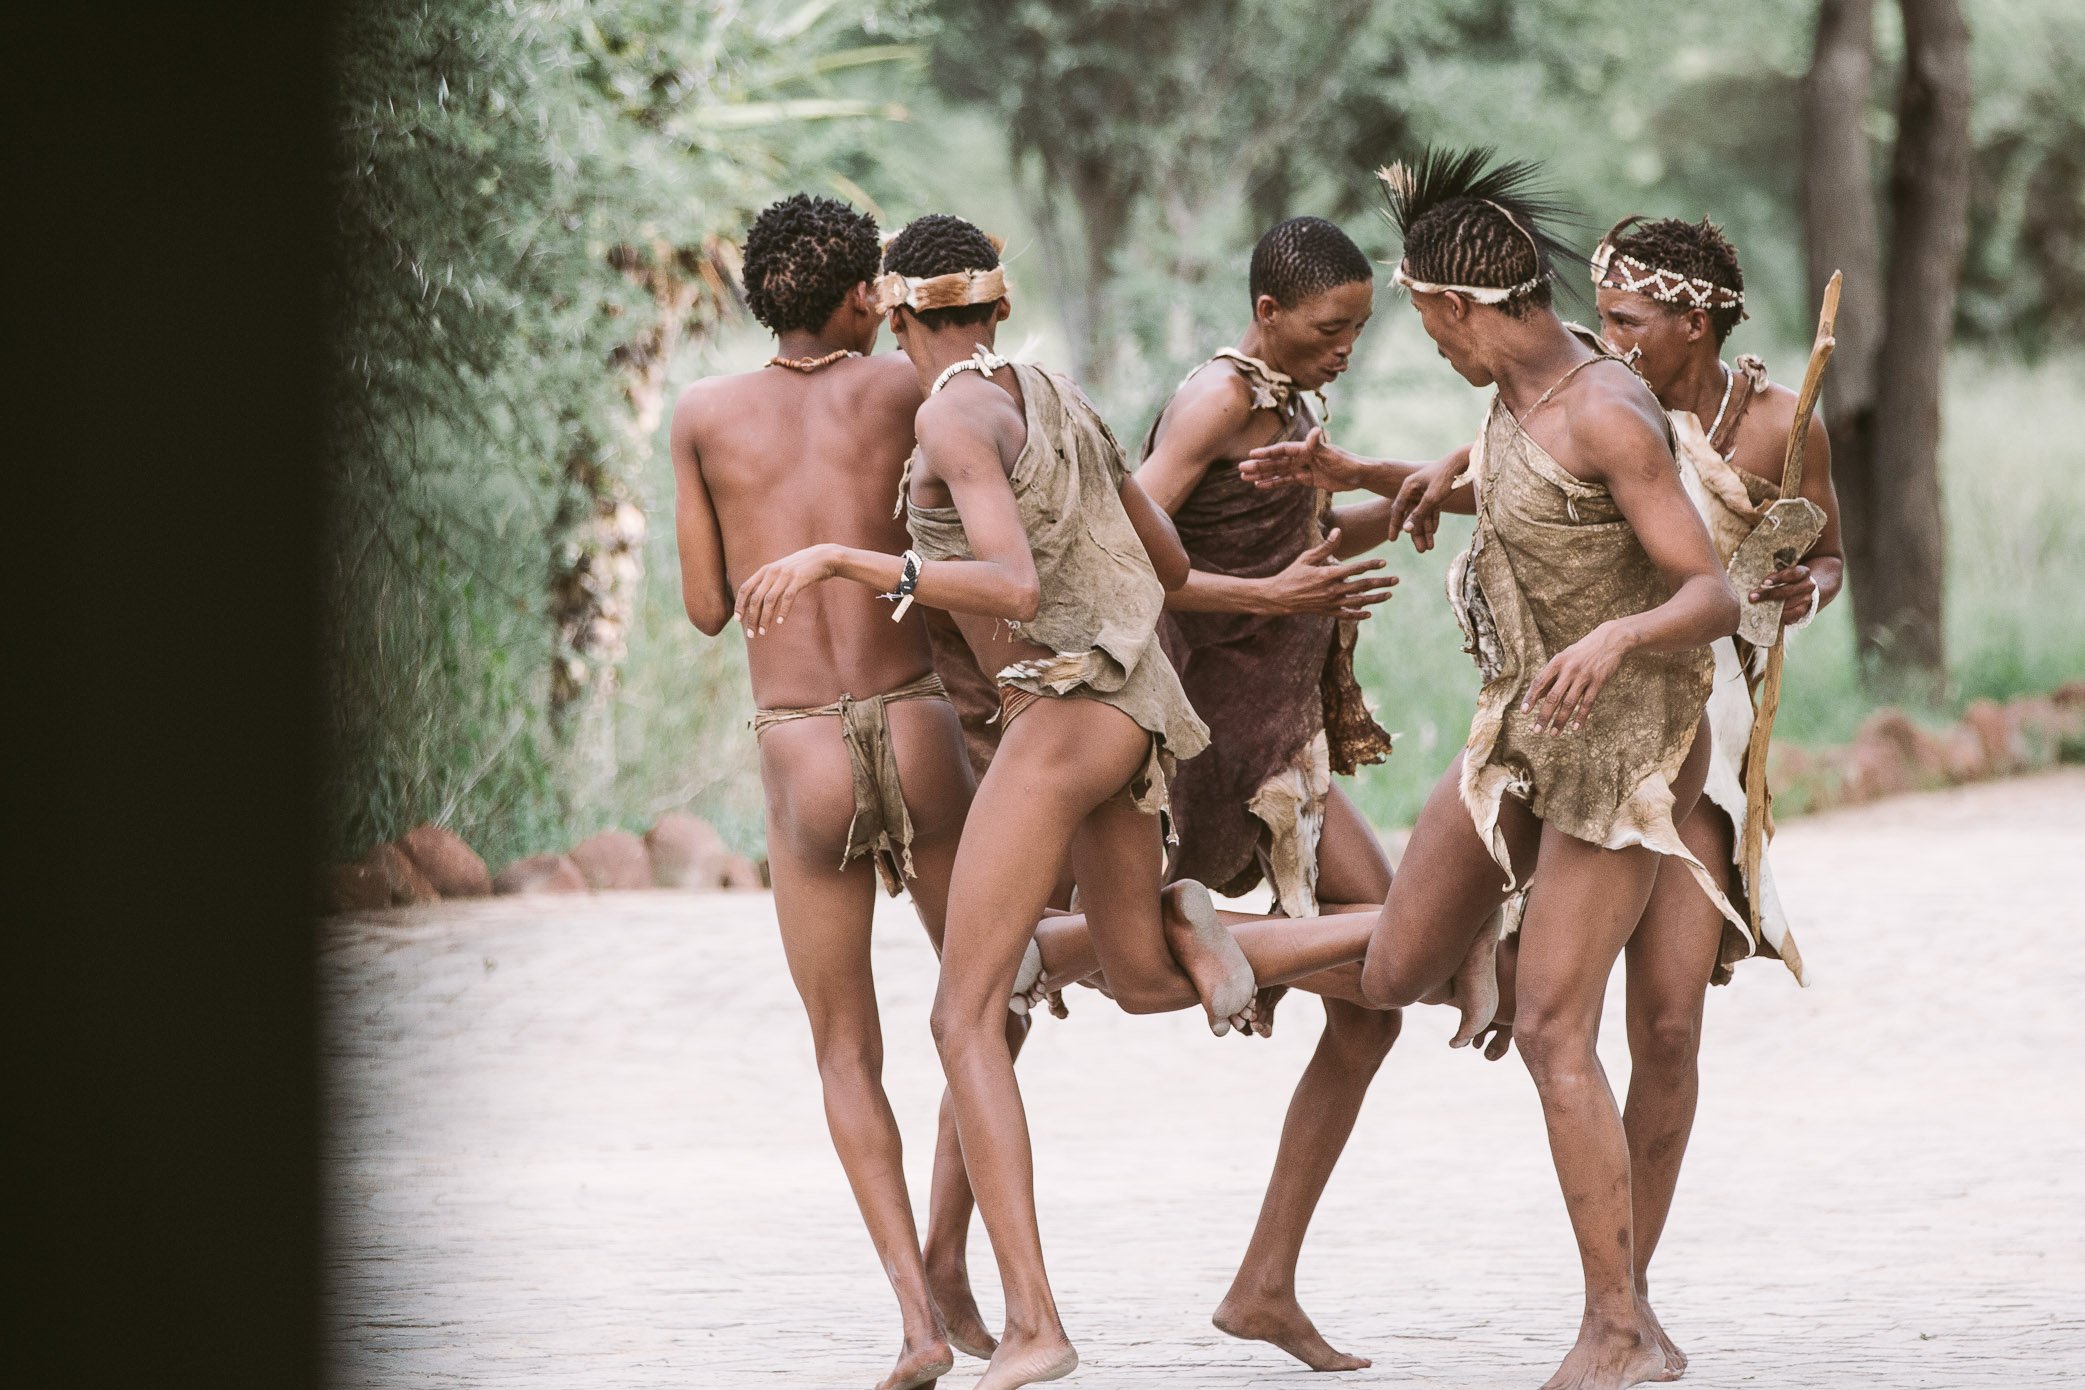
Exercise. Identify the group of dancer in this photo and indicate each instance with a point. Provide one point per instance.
(1060, 702)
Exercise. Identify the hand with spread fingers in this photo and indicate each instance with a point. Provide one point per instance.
(1316, 583)
(770, 591)
(1566, 688)
(1312, 461)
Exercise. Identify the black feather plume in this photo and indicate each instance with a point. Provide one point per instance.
(1441, 176)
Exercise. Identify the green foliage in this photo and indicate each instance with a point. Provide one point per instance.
(490, 158)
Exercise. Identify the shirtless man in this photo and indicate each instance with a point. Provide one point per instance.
(1671, 292)
(860, 755)
(1029, 529)
(1589, 569)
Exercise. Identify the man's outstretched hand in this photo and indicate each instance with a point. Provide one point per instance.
(1316, 583)
(1312, 461)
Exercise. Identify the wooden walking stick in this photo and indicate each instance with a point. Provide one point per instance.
(1783, 536)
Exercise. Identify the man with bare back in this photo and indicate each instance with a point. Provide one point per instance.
(860, 753)
(1029, 529)
(1669, 293)
(1589, 594)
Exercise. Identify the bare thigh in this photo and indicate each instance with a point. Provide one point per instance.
(1058, 761)
(1352, 867)
(934, 773)
(1673, 951)
(1445, 891)
(824, 910)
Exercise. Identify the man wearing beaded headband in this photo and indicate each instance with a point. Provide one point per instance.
(1669, 293)
(860, 752)
(1588, 595)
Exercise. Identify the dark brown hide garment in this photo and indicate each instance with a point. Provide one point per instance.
(1277, 691)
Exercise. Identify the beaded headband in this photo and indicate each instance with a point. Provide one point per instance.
(1616, 270)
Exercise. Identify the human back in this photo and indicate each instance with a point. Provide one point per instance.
(793, 459)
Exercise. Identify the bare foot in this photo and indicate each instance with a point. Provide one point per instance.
(1476, 987)
(1675, 1359)
(919, 1366)
(1263, 1002)
(1027, 1361)
(967, 1333)
(1209, 954)
(1028, 991)
(1608, 1357)
(1281, 1322)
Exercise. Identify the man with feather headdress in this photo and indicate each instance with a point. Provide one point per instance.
(1588, 596)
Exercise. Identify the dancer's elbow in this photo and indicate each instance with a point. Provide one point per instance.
(1024, 600)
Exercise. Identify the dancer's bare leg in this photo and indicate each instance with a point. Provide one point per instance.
(825, 915)
(1445, 893)
(1588, 902)
(949, 1206)
(1670, 958)
(1057, 762)
(938, 805)
(1261, 1304)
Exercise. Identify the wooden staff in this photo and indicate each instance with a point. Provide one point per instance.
(1769, 703)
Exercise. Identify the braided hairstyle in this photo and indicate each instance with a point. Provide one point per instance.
(1698, 250)
(938, 244)
(802, 256)
(1468, 221)
(1302, 258)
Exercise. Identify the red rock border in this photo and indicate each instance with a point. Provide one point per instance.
(1889, 755)
(430, 862)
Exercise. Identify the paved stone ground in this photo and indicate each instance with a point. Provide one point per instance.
(579, 1143)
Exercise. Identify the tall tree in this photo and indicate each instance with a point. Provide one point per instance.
(1899, 309)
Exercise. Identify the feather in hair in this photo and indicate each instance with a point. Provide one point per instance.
(1413, 188)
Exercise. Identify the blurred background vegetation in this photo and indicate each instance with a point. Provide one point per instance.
(539, 202)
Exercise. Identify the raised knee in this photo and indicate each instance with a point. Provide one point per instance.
(1386, 988)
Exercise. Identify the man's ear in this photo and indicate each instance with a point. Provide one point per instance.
(1695, 324)
(862, 298)
(1005, 308)
(1458, 307)
(1264, 308)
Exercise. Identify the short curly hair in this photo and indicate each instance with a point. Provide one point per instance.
(1698, 250)
(938, 244)
(802, 256)
(1302, 258)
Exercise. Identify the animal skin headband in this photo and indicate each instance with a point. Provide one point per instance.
(1615, 270)
(951, 291)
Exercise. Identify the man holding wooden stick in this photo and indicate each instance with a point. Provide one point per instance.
(1759, 469)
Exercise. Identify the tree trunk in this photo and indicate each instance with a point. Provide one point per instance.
(1929, 206)
(1840, 233)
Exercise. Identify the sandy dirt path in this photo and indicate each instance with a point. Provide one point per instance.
(578, 1143)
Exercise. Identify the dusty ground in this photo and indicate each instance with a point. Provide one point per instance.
(579, 1143)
